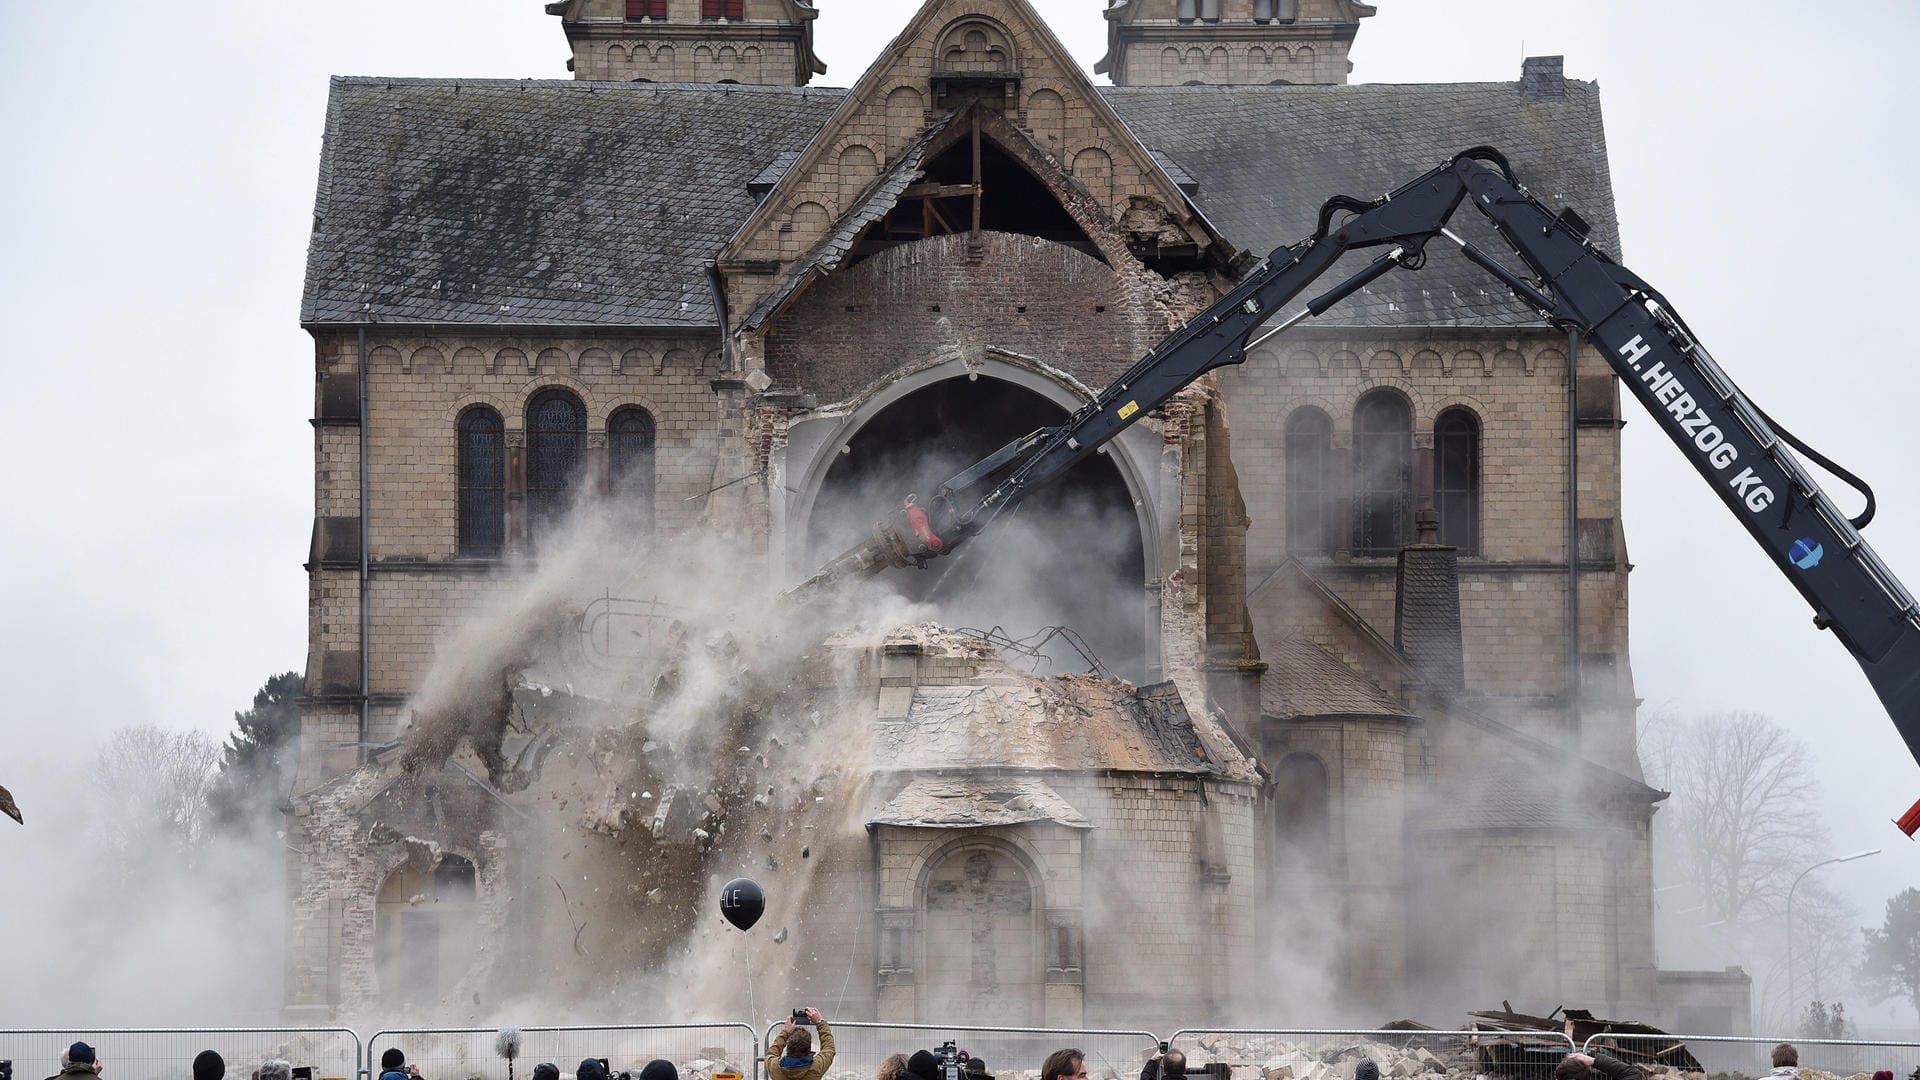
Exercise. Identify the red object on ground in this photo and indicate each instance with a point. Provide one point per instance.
(1910, 821)
(923, 528)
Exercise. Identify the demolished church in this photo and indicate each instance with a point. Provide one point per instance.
(1377, 720)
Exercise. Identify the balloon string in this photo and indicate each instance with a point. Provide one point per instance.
(747, 956)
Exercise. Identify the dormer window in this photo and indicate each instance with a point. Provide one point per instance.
(646, 9)
(723, 9)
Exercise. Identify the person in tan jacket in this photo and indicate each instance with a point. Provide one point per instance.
(791, 1056)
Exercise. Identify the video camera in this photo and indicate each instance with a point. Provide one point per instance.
(953, 1063)
(6, 1070)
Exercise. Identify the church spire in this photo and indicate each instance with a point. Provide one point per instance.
(1230, 42)
(763, 42)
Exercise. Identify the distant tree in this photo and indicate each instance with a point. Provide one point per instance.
(1823, 1021)
(152, 799)
(1891, 968)
(258, 759)
(1743, 816)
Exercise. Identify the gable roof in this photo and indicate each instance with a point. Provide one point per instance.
(1304, 679)
(1267, 157)
(1020, 19)
(530, 203)
(563, 203)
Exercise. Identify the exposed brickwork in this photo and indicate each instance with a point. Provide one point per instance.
(1151, 45)
(769, 47)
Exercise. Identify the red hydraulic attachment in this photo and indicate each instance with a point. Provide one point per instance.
(923, 528)
(1910, 821)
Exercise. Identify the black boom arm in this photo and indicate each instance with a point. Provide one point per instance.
(1741, 454)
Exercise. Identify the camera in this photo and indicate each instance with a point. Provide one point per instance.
(951, 1059)
(800, 1017)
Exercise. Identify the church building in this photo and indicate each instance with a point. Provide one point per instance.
(1378, 729)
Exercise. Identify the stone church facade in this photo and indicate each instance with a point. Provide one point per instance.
(1383, 658)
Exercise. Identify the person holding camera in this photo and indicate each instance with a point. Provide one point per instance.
(792, 1057)
(78, 1062)
(1165, 1065)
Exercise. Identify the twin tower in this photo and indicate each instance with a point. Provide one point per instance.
(1149, 42)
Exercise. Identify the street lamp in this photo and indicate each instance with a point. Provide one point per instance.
(1793, 1003)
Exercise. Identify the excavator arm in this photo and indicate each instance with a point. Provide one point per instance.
(1743, 456)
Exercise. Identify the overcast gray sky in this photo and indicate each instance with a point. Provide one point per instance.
(159, 179)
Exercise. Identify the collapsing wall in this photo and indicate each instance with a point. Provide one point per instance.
(599, 818)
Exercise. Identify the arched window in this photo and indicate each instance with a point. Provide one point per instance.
(556, 450)
(1456, 479)
(1309, 459)
(424, 924)
(483, 482)
(1302, 831)
(630, 436)
(1382, 473)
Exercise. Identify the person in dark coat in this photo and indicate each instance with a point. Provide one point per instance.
(78, 1061)
(1171, 1065)
(1599, 1066)
(922, 1066)
(659, 1069)
(591, 1069)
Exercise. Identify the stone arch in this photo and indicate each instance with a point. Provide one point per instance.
(663, 62)
(1046, 118)
(703, 54)
(980, 905)
(616, 56)
(975, 44)
(678, 360)
(510, 360)
(635, 360)
(1302, 812)
(554, 360)
(1386, 358)
(1345, 358)
(857, 164)
(470, 361)
(1504, 358)
(1195, 55)
(383, 358)
(1093, 167)
(1550, 358)
(1463, 360)
(427, 358)
(805, 222)
(595, 360)
(1171, 57)
(906, 110)
(425, 923)
(729, 55)
(501, 405)
(1387, 382)
(1303, 58)
(596, 408)
(814, 446)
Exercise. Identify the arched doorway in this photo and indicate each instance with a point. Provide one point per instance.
(980, 933)
(1070, 554)
(424, 922)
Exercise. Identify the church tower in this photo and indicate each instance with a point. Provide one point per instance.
(1230, 42)
(762, 42)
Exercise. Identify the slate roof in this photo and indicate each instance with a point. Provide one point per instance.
(1267, 157)
(538, 202)
(1304, 679)
(1051, 722)
(558, 202)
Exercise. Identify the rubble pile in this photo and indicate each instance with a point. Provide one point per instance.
(1280, 1058)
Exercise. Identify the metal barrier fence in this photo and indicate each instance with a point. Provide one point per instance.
(168, 1053)
(1752, 1055)
(860, 1047)
(697, 1050)
(1331, 1054)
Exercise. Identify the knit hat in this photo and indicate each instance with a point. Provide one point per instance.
(546, 1070)
(923, 1065)
(591, 1069)
(209, 1065)
(659, 1069)
(1366, 1070)
(392, 1059)
(1883, 1074)
(81, 1053)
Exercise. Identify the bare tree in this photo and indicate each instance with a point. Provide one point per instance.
(1744, 816)
(159, 779)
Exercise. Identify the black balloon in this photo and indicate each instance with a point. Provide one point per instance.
(742, 902)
